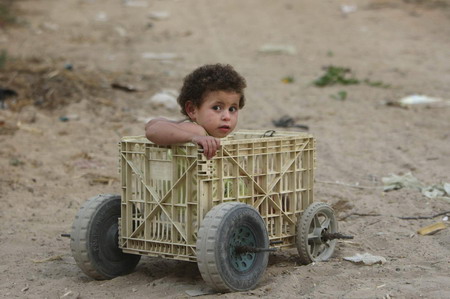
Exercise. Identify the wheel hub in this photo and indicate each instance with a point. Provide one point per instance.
(242, 237)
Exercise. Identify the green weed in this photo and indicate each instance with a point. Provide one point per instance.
(336, 75)
(341, 95)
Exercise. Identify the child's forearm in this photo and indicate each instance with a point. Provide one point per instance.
(165, 132)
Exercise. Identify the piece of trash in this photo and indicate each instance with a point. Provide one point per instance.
(288, 122)
(159, 15)
(49, 259)
(68, 66)
(101, 17)
(278, 49)
(395, 182)
(166, 98)
(432, 229)
(445, 218)
(26, 288)
(50, 26)
(159, 56)
(346, 9)
(29, 129)
(66, 118)
(418, 99)
(366, 259)
(124, 87)
(135, 3)
(288, 79)
(121, 31)
(7, 93)
(195, 293)
(415, 99)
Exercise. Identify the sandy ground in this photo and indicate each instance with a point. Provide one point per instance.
(50, 167)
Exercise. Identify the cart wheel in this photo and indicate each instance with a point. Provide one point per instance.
(94, 239)
(315, 221)
(225, 227)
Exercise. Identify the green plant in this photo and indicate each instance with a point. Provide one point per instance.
(336, 75)
(341, 95)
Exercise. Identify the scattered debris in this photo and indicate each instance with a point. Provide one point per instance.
(346, 9)
(395, 182)
(166, 98)
(66, 118)
(288, 122)
(159, 56)
(135, 3)
(200, 292)
(432, 229)
(29, 129)
(95, 179)
(7, 129)
(124, 87)
(6, 93)
(121, 31)
(16, 162)
(68, 66)
(412, 100)
(356, 185)
(341, 95)
(159, 15)
(278, 49)
(101, 17)
(288, 79)
(49, 259)
(366, 259)
(359, 214)
(426, 217)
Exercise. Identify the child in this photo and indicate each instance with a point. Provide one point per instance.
(210, 97)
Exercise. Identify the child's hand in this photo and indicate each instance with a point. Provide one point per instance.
(209, 144)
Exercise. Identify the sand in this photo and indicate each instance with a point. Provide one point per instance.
(63, 56)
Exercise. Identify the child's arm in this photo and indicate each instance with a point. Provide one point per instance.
(165, 132)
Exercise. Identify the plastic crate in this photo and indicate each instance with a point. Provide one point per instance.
(167, 190)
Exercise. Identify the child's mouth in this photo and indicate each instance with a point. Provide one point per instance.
(224, 128)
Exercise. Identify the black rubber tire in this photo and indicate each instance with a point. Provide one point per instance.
(94, 239)
(315, 220)
(213, 247)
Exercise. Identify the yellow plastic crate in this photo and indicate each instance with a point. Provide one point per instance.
(167, 190)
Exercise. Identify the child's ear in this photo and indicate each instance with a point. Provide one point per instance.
(191, 110)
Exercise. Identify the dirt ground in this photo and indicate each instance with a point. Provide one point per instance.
(61, 120)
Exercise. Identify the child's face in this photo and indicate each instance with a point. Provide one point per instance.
(218, 114)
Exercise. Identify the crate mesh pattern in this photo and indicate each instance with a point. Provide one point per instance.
(167, 190)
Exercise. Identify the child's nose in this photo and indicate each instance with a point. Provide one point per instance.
(225, 115)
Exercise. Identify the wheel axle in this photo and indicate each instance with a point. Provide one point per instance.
(331, 236)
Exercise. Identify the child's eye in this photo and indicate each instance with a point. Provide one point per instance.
(233, 109)
(216, 108)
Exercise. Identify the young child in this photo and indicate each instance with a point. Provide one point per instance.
(210, 97)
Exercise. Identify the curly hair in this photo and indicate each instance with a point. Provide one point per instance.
(207, 78)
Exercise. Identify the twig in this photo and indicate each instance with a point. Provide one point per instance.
(425, 217)
(348, 185)
(359, 214)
